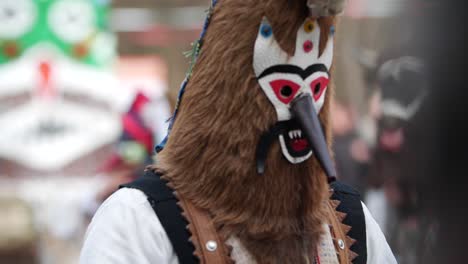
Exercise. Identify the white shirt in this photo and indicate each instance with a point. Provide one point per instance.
(125, 230)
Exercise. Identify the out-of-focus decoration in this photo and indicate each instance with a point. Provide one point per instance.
(76, 28)
(133, 151)
(144, 122)
(57, 90)
(147, 76)
(59, 112)
(17, 233)
(136, 142)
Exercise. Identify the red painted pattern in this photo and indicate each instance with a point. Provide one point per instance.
(277, 85)
(323, 81)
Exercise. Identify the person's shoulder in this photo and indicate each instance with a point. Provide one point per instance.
(126, 216)
(120, 203)
(124, 202)
(126, 197)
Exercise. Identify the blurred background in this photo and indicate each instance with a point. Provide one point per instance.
(86, 87)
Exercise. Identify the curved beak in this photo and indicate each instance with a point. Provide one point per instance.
(303, 111)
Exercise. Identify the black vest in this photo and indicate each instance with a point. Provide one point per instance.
(164, 203)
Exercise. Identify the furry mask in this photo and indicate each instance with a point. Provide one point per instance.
(209, 157)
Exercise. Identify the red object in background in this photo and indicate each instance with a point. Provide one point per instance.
(132, 125)
(111, 164)
(45, 87)
(140, 101)
(133, 130)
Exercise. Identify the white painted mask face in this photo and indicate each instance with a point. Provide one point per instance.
(284, 78)
(403, 87)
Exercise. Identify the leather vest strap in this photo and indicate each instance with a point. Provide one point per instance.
(209, 247)
(338, 235)
(339, 232)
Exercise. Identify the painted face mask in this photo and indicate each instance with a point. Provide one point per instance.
(296, 86)
(403, 88)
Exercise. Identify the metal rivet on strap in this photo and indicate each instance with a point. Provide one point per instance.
(211, 245)
(341, 244)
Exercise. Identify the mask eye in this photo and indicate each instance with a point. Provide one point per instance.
(318, 86)
(285, 90)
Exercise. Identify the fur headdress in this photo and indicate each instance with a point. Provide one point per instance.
(209, 157)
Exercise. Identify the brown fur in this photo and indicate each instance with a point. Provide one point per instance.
(210, 155)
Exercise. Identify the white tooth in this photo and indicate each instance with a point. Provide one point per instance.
(300, 133)
(290, 134)
(296, 133)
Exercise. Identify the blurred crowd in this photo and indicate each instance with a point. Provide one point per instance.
(371, 152)
(67, 85)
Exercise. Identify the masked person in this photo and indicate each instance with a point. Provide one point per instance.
(403, 88)
(245, 175)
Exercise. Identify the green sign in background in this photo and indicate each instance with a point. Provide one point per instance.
(43, 29)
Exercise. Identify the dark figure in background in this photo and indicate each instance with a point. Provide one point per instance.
(434, 175)
(403, 88)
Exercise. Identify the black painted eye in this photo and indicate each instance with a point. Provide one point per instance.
(317, 88)
(286, 91)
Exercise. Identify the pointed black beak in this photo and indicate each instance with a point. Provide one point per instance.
(303, 111)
